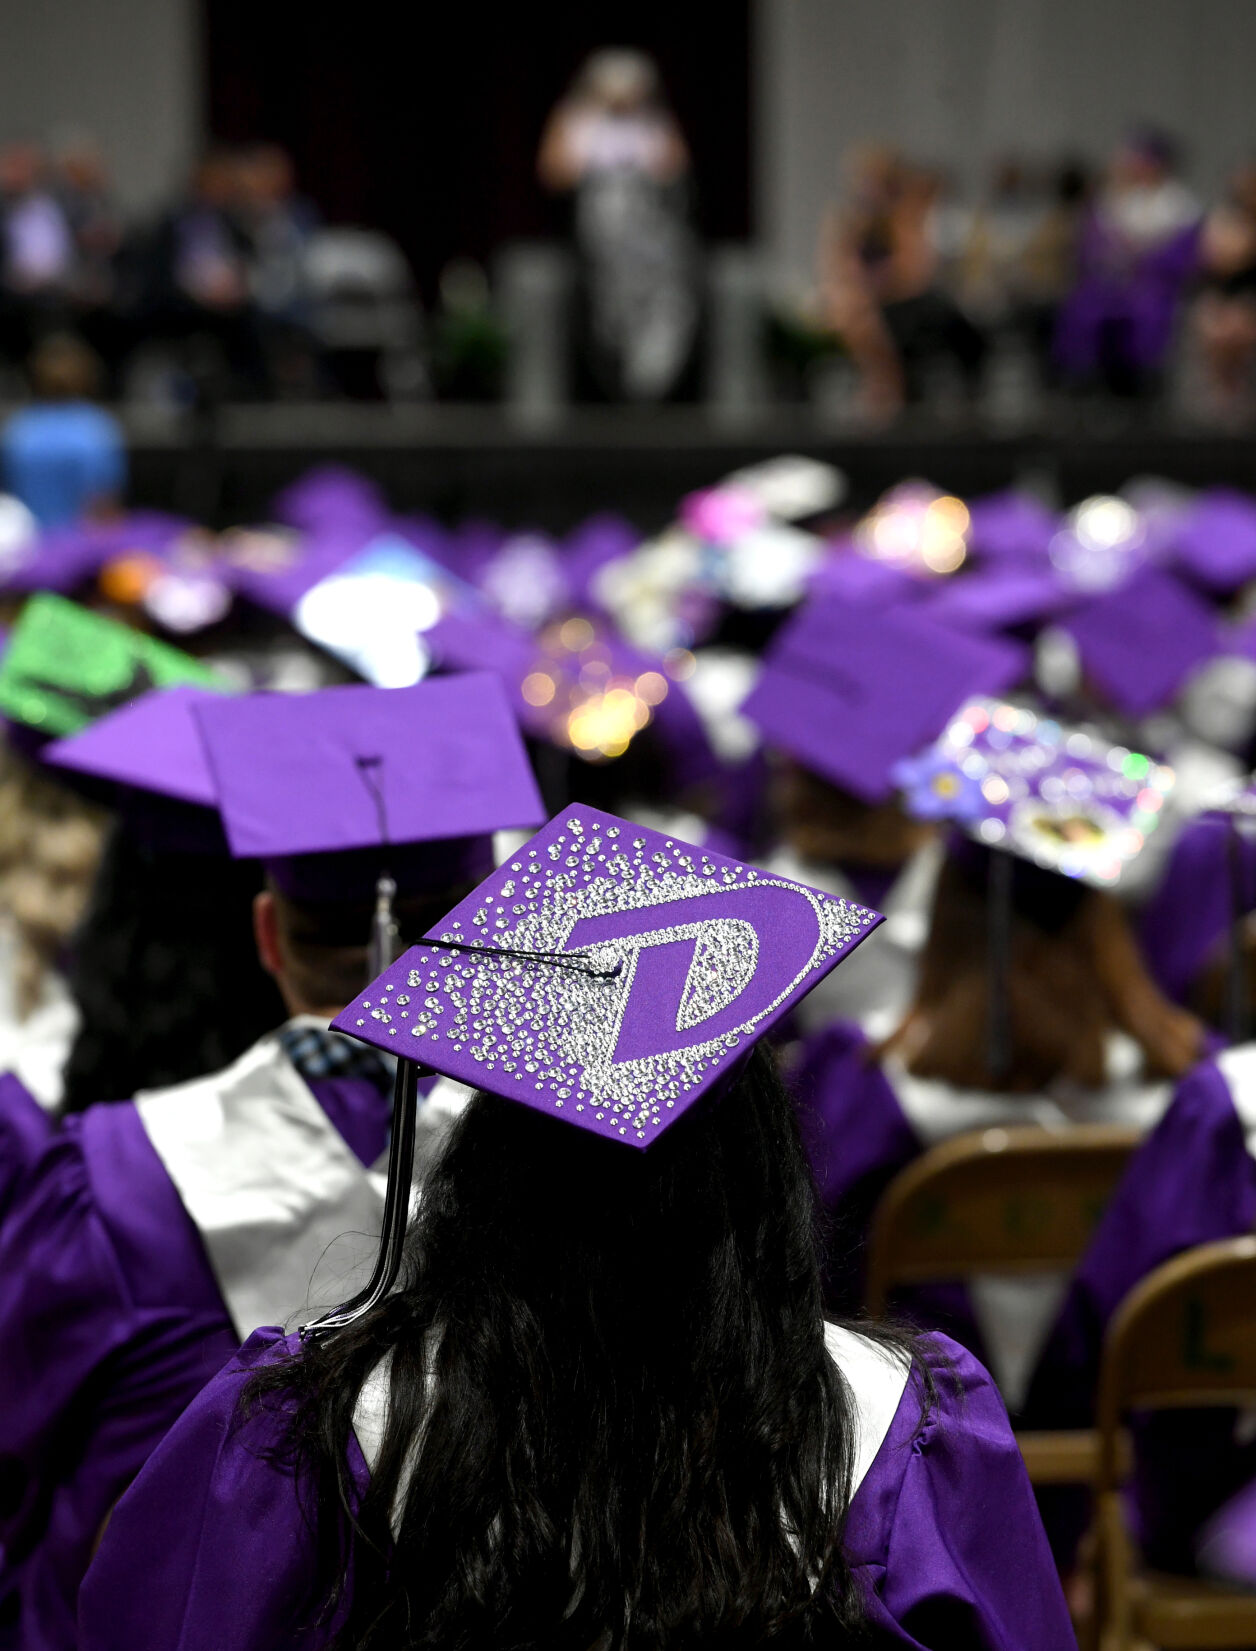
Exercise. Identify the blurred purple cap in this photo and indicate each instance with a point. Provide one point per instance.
(1140, 642)
(607, 976)
(331, 496)
(66, 557)
(849, 692)
(1010, 526)
(1215, 544)
(590, 546)
(997, 599)
(849, 576)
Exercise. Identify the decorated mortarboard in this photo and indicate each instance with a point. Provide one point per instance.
(329, 788)
(65, 666)
(848, 691)
(1061, 798)
(1140, 642)
(607, 975)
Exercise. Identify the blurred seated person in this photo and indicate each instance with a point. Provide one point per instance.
(882, 257)
(82, 186)
(1224, 316)
(198, 276)
(277, 225)
(62, 456)
(1138, 248)
(37, 255)
(1019, 260)
(615, 148)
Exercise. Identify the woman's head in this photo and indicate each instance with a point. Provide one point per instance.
(1074, 975)
(610, 1382)
(826, 824)
(49, 848)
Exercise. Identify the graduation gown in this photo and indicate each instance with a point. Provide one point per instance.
(148, 1240)
(942, 1534)
(1190, 1182)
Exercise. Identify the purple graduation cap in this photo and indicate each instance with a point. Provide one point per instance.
(607, 975)
(147, 762)
(1140, 642)
(850, 691)
(331, 495)
(1061, 798)
(1010, 526)
(150, 745)
(333, 790)
(1215, 545)
(999, 598)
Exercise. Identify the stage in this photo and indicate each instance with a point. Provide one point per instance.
(461, 461)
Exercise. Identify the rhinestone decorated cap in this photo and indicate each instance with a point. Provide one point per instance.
(1058, 796)
(607, 975)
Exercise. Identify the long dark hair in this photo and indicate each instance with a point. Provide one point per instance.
(164, 972)
(612, 1415)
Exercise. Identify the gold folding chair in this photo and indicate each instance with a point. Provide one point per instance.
(1184, 1337)
(1003, 1201)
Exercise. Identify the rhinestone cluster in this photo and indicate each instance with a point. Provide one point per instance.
(548, 1031)
(1059, 795)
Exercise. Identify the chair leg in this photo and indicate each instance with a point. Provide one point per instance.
(1112, 1620)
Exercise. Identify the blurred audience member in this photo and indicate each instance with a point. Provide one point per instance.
(199, 286)
(63, 457)
(1138, 248)
(98, 231)
(883, 256)
(277, 225)
(37, 255)
(1021, 256)
(613, 145)
(1225, 312)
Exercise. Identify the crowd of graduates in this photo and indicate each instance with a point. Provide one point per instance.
(965, 785)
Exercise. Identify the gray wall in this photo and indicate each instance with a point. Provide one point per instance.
(126, 71)
(961, 80)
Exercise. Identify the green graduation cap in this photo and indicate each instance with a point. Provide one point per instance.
(64, 666)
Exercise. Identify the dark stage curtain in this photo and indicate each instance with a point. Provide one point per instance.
(424, 120)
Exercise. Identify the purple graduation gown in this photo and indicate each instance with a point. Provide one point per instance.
(1190, 1182)
(111, 1321)
(25, 1130)
(942, 1534)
